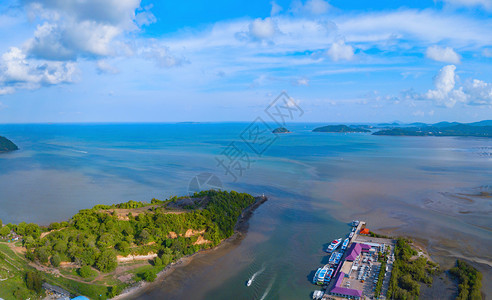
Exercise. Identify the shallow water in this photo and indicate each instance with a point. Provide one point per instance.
(424, 187)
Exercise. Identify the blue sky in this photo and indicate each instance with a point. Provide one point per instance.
(171, 61)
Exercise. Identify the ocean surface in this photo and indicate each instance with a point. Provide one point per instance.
(436, 190)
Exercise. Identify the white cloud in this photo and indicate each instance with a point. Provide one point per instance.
(442, 54)
(103, 66)
(17, 72)
(161, 55)
(425, 26)
(445, 92)
(311, 7)
(275, 8)
(487, 52)
(302, 81)
(340, 51)
(262, 29)
(485, 4)
(82, 28)
(478, 92)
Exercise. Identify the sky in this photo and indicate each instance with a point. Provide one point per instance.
(214, 61)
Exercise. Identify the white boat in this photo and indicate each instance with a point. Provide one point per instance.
(315, 278)
(318, 295)
(355, 223)
(334, 245)
(351, 235)
(322, 275)
(345, 243)
(250, 281)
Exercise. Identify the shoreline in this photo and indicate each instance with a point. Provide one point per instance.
(240, 231)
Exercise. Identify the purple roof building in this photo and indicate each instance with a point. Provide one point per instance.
(338, 290)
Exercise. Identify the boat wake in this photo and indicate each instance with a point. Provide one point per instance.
(250, 281)
(268, 289)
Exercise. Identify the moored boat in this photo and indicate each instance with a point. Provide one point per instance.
(315, 278)
(345, 243)
(334, 245)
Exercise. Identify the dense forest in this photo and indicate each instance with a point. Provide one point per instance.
(339, 128)
(454, 130)
(408, 272)
(93, 238)
(469, 279)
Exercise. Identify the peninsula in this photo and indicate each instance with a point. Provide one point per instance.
(339, 128)
(102, 251)
(7, 145)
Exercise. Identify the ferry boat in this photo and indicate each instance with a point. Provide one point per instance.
(315, 278)
(322, 275)
(334, 244)
(345, 243)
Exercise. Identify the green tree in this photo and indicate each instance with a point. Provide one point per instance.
(4, 231)
(34, 281)
(55, 260)
(86, 272)
(106, 261)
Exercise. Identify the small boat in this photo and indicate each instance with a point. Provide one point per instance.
(328, 275)
(334, 245)
(250, 281)
(345, 243)
(355, 223)
(333, 257)
(315, 278)
(338, 258)
(351, 235)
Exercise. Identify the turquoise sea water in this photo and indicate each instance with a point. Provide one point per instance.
(424, 187)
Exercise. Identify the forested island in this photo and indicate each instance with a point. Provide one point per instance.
(453, 130)
(281, 130)
(339, 128)
(101, 251)
(7, 145)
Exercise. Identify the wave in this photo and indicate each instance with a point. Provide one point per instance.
(79, 151)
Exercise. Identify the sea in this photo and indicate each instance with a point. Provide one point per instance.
(436, 190)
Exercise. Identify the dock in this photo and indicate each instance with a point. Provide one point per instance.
(359, 269)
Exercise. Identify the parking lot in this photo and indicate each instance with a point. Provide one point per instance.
(364, 277)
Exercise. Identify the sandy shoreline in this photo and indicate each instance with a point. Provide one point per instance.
(240, 231)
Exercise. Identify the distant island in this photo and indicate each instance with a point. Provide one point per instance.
(281, 130)
(111, 249)
(7, 145)
(339, 128)
(440, 129)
